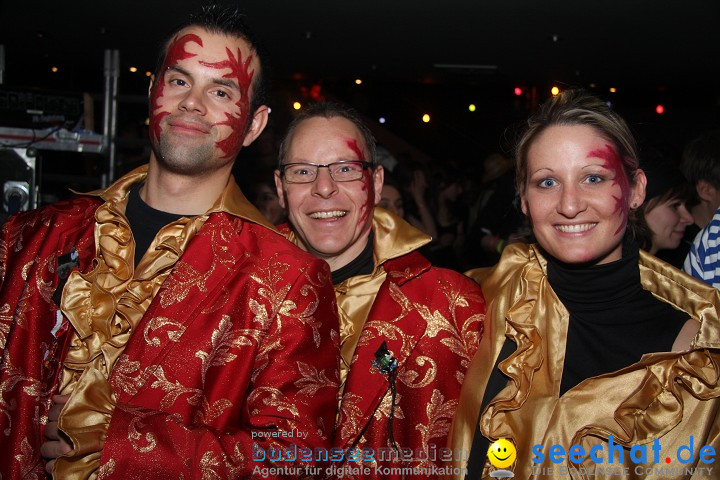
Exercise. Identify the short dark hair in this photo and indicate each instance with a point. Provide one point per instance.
(226, 20)
(701, 159)
(330, 110)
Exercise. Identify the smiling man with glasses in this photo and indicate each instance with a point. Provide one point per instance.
(407, 329)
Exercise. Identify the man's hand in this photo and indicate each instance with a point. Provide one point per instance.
(56, 444)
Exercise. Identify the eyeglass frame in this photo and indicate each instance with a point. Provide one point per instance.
(365, 165)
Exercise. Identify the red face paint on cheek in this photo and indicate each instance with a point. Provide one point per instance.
(367, 207)
(237, 122)
(613, 162)
(175, 52)
(352, 145)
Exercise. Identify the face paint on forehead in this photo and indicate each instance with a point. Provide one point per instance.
(238, 71)
(352, 145)
(613, 162)
(175, 52)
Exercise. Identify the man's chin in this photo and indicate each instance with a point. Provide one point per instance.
(184, 160)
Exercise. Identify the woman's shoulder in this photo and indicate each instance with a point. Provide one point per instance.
(700, 301)
(518, 260)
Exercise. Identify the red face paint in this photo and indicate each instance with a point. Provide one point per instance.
(352, 145)
(238, 71)
(175, 52)
(367, 207)
(613, 162)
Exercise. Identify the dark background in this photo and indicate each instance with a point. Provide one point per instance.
(653, 52)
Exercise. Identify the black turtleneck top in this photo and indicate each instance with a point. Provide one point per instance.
(613, 321)
(362, 264)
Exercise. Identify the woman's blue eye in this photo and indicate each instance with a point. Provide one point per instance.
(547, 183)
(594, 179)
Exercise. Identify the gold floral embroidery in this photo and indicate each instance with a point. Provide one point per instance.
(182, 280)
(410, 377)
(172, 390)
(6, 319)
(439, 414)
(14, 377)
(312, 380)
(134, 436)
(106, 470)
(31, 467)
(26, 268)
(210, 465)
(272, 397)
(462, 343)
(156, 323)
(351, 415)
(209, 413)
(123, 379)
(222, 340)
(45, 289)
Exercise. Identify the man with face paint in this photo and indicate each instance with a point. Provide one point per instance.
(160, 328)
(407, 329)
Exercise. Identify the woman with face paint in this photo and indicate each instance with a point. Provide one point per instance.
(589, 340)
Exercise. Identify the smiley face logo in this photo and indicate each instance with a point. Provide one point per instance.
(502, 453)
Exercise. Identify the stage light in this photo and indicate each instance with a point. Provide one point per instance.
(426, 118)
(54, 69)
(381, 120)
(133, 69)
(659, 109)
(613, 90)
(518, 91)
(471, 107)
(555, 91)
(148, 74)
(358, 81)
(297, 105)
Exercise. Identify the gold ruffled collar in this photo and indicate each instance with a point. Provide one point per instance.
(231, 200)
(106, 305)
(655, 406)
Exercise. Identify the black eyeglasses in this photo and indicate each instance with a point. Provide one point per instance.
(345, 171)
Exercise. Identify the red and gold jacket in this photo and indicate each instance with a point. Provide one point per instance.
(431, 320)
(235, 355)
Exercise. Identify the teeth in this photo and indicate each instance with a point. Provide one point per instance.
(331, 214)
(575, 228)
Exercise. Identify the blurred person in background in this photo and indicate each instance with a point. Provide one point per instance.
(412, 180)
(663, 217)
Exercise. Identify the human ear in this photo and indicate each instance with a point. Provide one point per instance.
(279, 189)
(637, 196)
(150, 86)
(706, 191)
(378, 180)
(259, 121)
